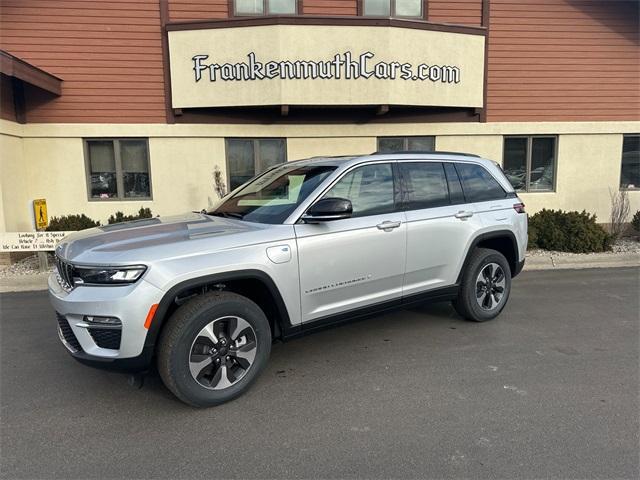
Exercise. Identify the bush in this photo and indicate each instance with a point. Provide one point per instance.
(567, 232)
(119, 217)
(67, 223)
(635, 221)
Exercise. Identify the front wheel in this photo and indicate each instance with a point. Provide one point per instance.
(485, 287)
(213, 348)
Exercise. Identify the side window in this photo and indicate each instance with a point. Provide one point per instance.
(370, 189)
(478, 184)
(425, 185)
(455, 189)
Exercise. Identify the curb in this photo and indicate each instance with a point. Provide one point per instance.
(38, 281)
(579, 261)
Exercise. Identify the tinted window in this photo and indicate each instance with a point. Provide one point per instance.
(455, 189)
(118, 168)
(397, 144)
(370, 189)
(478, 184)
(425, 185)
(247, 157)
(630, 175)
(529, 162)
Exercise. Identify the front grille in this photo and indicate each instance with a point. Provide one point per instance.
(106, 337)
(67, 333)
(65, 273)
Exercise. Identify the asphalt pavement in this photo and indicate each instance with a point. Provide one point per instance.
(550, 389)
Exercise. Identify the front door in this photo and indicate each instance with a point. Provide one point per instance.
(359, 261)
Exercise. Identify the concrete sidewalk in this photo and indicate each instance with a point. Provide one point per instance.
(553, 261)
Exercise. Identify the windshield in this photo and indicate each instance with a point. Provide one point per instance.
(273, 196)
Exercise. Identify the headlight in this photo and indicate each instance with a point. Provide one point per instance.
(107, 275)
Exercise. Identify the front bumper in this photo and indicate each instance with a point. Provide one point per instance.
(128, 303)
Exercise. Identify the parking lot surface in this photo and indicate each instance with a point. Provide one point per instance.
(548, 389)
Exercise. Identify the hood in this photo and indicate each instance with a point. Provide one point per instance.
(154, 238)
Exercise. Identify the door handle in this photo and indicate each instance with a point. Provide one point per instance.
(463, 215)
(388, 225)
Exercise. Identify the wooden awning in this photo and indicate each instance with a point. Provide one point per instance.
(14, 67)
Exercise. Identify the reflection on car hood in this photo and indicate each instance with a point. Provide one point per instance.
(161, 237)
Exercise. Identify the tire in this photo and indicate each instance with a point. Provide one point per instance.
(474, 287)
(230, 325)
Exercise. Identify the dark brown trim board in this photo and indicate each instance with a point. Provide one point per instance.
(486, 23)
(164, 20)
(238, 22)
(14, 67)
(19, 103)
(323, 115)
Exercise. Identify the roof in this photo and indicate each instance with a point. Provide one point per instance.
(15, 67)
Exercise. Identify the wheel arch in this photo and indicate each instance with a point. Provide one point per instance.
(503, 241)
(256, 285)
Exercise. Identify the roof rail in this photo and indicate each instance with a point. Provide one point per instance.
(422, 152)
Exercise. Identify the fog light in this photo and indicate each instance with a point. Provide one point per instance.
(95, 320)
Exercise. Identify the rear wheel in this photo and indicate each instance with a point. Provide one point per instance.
(213, 348)
(485, 287)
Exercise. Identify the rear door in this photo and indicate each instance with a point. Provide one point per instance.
(440, 224)
(359, 261)
(492, 203)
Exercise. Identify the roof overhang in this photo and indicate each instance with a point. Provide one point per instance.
(14, 67)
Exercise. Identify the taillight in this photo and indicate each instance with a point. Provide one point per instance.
(519, 207)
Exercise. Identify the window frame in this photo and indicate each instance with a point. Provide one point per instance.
(529, 139)
(628, 189)
(265, 10)
(405, 141)
(256, 155)
(392, 10)
(118, 163)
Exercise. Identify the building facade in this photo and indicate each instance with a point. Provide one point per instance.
(114, 105)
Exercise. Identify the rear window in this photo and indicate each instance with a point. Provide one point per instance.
(478, 184)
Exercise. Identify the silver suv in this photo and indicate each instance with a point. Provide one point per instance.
(304, 245)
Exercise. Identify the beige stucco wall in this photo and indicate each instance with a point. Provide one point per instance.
(16, 208)
(46, 161)
(306, 147)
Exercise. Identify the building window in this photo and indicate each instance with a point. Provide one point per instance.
(530, 162)
(393, 8)
(248, 157)
(118, 169)
(630, 174)
(402, 144)
(265, 7)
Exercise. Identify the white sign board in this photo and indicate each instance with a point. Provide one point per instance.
(325, 65)
(30, 241)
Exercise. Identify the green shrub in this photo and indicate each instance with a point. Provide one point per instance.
(635, 221)
(575, 232)
(67, 223)
(119, 217)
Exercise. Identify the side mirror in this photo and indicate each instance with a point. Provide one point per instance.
(328, 209)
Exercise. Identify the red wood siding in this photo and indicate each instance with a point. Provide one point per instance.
(563, 60)
(107, 52)
(463, 12)
(330, 7)
(180, 10)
